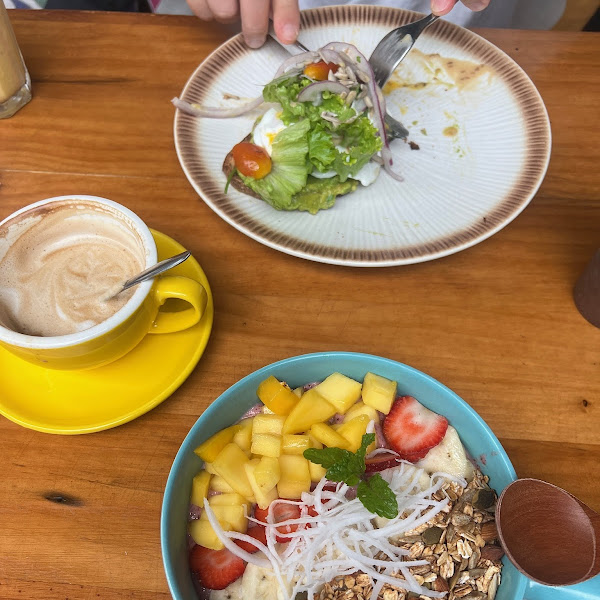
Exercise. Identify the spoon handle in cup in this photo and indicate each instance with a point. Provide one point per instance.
(162, 266)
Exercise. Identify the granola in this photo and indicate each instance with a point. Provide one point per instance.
(460, 545)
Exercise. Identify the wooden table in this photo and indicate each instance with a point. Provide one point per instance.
(495, 323)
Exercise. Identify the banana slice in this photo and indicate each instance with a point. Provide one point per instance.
(259, 584)
(232, 592)
(449, 457)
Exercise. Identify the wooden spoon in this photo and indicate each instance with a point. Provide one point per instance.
(548, 534)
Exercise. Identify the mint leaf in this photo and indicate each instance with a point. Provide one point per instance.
(377, 497)
(326, 457)
(347, 471)
(349, 467)
(342, 465)
(367, 440)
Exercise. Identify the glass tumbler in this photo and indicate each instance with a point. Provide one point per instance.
(15, 84)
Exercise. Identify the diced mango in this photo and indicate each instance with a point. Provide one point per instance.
(317, 472)
(234, 515)
(244, 435)
(311, 408)
(360, 408)
(264, 494)
(328, 436)
(200, 485)
(209, 449)
(208, 467)
(229, 464)
(294, 444)
(314, 443)
(298, 391)
(340, 391)
(204, 535)
(228, 499)
(276, 396)
(379, 392)
(218, 484)
(353, 430)
(267, 473)
(272, 424)
(295, 476)
(265, 444)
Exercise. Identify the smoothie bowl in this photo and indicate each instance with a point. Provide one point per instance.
(382, 476)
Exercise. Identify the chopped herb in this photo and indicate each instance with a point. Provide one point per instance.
(229, 178)
(358, 59)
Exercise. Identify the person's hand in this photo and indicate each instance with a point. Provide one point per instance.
(254, 15)
(443, 7)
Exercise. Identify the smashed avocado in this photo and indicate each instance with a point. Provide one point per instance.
(319, 194)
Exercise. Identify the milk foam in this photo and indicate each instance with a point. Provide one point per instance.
(60, 262)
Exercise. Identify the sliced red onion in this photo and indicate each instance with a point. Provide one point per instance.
(312, 93)
(359, 63)
(211, 112)
(296, 60)
(305, 58)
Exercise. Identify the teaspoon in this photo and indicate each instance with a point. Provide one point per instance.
(153, 271)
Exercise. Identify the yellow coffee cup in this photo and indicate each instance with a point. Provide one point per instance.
(118, 334)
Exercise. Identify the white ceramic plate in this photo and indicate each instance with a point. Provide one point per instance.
(483, 149)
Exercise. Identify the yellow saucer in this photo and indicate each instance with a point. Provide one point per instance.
(70, 402)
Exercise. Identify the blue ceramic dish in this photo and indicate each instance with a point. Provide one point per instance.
(477, 437)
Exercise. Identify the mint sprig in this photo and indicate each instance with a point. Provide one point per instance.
(349, 467)
(376, 496)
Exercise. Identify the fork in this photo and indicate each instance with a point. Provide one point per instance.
(395, 46)
(394, 128)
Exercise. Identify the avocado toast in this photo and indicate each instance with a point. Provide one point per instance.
(320, 137)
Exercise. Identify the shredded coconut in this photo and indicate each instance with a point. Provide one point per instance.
(342, 539)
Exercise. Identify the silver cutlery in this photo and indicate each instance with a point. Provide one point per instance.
(155, 270)
(395, 46)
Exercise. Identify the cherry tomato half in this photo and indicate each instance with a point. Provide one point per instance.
(251, 160)
(320, 70)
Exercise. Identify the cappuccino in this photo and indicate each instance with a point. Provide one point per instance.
(61, 262)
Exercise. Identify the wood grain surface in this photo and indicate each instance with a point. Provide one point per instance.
(79, 515)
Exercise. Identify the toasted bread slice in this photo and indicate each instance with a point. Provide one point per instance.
(236, 181)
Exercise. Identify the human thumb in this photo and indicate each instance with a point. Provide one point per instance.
(442, 7)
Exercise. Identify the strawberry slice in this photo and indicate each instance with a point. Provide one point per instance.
(381, 462)
(215, 569)
(411, 429)
(258, 533)
(281, 512)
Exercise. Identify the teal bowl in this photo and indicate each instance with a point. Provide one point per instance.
(477, 437)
